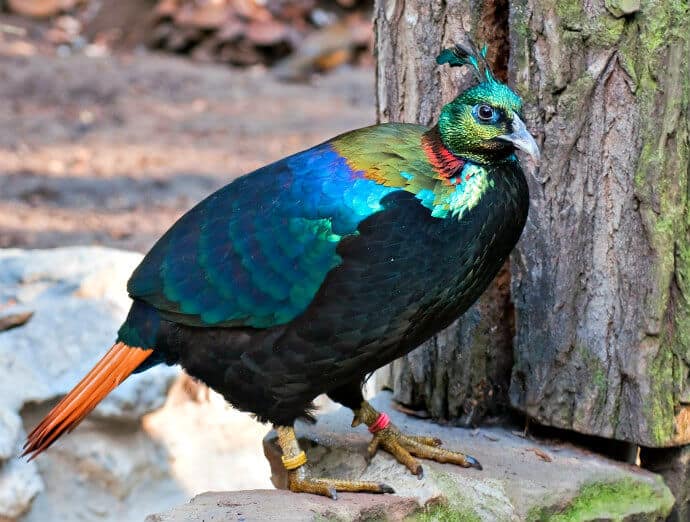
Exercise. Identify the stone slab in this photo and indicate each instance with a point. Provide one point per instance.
(522, 479)
(284, 506)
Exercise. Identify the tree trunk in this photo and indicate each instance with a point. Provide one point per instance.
(601, 276)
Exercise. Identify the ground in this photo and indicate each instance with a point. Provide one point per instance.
(112, 150)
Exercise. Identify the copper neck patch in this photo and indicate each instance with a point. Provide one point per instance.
(441, 158)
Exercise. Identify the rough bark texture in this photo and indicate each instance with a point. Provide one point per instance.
(601, 278)
(602, 274)
(463, 373)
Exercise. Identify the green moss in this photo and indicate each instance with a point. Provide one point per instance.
(658, 407)
(570, 102)
(619, 8)
(595, 369)
(445, 513)
(610, 501)
(600, 31)
(459, 508)
(656, 56)
(682, 316)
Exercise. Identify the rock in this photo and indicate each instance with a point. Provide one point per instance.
(78, 299)
(116, 461)
(106, 471)
(19, 484)
(522, 478)
(10, 428)
(284, 506)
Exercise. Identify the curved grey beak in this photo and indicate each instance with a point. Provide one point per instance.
(522, 139)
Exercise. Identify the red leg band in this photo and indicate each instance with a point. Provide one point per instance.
(381, 423)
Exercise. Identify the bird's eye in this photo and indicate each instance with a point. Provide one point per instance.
(486, 113)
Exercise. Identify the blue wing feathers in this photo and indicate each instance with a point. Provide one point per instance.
(256, 252)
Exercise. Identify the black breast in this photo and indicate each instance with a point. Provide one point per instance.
(404, 277)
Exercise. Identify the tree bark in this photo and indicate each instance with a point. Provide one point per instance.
(601, 277)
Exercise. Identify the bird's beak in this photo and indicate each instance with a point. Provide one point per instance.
(522, 139)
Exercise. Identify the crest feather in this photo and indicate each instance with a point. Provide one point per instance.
(467, 54)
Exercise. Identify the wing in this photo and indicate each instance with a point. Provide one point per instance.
(255, 252)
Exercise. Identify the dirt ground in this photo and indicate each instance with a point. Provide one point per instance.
(112, 150)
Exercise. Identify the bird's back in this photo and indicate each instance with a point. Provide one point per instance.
(255, 252)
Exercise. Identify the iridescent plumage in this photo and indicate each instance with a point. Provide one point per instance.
(305, 275)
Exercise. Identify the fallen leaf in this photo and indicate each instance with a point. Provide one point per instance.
(420, 414)
(541, 454)
(14, 320)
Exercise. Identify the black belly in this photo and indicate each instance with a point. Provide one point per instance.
(406, 276)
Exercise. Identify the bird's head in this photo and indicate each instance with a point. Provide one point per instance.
(484, 123)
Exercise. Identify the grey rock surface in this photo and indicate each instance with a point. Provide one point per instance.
(19, 484)
(78, 299)
(10, 428)
(283, 506)
(522, 478)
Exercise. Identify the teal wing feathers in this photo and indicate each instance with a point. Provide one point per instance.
(255, 252)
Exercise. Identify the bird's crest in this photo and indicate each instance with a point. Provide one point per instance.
(467, 54)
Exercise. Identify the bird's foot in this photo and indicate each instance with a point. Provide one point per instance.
(406, 447)
(301, 483)
(294, 460)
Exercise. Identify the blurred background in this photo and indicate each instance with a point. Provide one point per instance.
(116, 116)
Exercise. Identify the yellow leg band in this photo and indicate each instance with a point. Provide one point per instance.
(294, 462)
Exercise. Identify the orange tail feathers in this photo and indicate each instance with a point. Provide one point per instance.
(115, 366)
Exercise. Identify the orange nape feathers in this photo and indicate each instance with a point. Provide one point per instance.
(115, 366)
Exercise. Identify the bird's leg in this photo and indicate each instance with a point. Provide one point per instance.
(294, 460)
(402, 446)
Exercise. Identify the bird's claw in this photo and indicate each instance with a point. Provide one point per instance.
(406, 447)
(330, 487)
(294, 460)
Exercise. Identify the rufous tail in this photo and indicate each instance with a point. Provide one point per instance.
(120, 361)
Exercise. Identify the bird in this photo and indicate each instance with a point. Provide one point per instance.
(306, 275)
